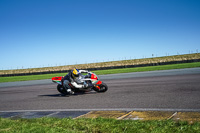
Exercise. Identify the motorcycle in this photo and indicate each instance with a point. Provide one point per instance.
(98, 85)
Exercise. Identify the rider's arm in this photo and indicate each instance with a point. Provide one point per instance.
(83, 71)
(77, 85)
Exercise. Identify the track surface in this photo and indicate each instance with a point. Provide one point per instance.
(159, 90)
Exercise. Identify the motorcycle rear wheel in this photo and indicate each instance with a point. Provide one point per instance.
(61, 89)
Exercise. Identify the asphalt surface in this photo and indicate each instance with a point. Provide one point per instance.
(171, 90)
(114, 76)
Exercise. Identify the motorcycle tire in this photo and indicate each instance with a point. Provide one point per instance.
(103, 88)
(61, 89)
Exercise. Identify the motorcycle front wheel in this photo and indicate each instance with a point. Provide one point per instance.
(103, 88)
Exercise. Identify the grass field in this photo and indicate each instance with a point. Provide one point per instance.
(102, 72)
(98, 125)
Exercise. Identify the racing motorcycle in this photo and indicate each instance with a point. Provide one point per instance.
(98, 85)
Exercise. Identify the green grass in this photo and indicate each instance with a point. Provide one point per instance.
(102, 72)
(98, 125)
(149, 68)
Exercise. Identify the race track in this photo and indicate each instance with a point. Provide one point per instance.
(171, 90)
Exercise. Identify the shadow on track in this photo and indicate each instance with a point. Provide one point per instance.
(61, 95)
(53, 95)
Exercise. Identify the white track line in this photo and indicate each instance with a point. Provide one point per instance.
(108, 109)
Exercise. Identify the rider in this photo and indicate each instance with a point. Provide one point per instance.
(72, 77)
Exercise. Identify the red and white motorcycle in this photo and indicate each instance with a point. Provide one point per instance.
(99, 86)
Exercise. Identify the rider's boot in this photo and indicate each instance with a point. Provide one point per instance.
(67, 87)
(70, 91)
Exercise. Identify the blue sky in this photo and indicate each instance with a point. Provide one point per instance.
(41, 33)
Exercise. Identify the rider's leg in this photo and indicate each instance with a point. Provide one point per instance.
(67, 87)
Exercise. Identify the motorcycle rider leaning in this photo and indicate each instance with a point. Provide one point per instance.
(72, 77)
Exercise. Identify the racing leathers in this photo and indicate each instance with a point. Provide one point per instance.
(69, 78)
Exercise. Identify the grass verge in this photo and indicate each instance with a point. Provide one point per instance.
(102, 72)
(100, 125)
(156, 60)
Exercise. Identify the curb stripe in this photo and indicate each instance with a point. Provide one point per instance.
(122, 117)
(172, 116)
(83, 115)
(105, 114)
(119, 115)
